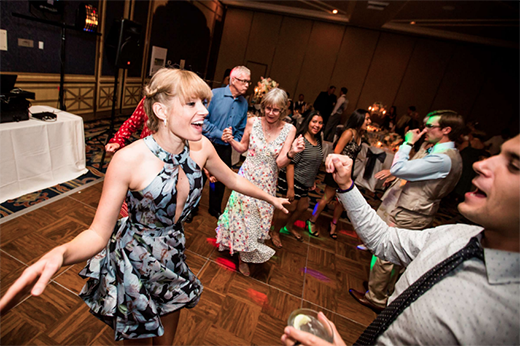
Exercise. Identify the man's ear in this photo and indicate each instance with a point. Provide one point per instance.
(160, 110)
(446, 130)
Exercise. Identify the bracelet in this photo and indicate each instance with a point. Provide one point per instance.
(407, 143)
(290, 158)
(338, 190)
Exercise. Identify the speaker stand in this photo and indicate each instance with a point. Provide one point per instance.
(110, 130)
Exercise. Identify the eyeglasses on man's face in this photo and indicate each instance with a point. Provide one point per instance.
(244, 81)
(431, 126)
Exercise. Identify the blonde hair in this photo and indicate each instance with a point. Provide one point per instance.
(168, 83)
(275, 97)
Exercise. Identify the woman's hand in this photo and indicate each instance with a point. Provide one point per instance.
(227, 135)
(40, 272)
(341, 168)
(292, 335)
(297, 146)
(112, 147)
(279, 202)
(290, 194)
(210, 177)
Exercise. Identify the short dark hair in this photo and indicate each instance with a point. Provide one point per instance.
(450, 119)
(332, 87)
(344, 90)
(357, 119)
(412, 108)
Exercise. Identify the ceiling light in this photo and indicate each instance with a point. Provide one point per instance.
(334, 11)
(412, 23)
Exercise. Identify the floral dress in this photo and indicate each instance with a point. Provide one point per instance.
(142, 273)
(245, 223)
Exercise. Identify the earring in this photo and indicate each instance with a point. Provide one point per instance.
(165, 122)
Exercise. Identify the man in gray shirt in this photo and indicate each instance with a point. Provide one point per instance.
(477, 301)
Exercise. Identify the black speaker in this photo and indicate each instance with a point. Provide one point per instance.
(123, 43)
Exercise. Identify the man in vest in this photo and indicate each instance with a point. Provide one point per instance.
(414, 198)
(461, 284)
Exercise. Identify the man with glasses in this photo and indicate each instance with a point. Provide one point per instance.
(423, 181)
(228, 109)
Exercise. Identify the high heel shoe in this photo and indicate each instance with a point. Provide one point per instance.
(333, 235)
(311, 228)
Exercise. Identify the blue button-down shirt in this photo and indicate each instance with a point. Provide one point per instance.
(225, 111)
(435, 165)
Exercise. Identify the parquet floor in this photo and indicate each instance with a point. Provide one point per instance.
(233, 310)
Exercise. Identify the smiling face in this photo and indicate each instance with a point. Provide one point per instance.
(185, 118)
(495, 204)
(367, 122)
(315, 125)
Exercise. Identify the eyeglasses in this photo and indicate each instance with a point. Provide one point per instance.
(245, 81)
(430, 126)
(275, 111)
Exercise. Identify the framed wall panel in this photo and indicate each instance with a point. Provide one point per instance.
(320, 59)
(463, 79)
(354, 57)
(423, 76)
(234, 40)
(290, 53)
(386, 70)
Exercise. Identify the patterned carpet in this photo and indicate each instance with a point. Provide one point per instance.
(95, 137)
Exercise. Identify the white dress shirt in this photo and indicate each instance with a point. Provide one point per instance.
(476, 304)
(341, 104)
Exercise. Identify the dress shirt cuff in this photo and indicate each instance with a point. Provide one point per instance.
(405, 149)
(352, 200)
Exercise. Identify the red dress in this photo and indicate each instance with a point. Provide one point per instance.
(131, 125)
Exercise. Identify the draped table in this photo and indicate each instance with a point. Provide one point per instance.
(36, 154)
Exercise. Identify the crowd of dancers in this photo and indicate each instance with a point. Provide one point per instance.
(138, 279)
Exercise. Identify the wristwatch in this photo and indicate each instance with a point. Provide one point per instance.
(406, 143)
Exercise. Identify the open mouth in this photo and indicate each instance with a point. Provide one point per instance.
(198, 124)
(479, 193)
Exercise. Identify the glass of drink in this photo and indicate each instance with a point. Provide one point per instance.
(306, 320)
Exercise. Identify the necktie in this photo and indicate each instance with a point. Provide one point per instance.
(424, 283)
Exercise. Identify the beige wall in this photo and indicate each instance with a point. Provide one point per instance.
(307, 56)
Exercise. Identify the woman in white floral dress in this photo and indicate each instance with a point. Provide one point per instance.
(245, 223)
(139, 279)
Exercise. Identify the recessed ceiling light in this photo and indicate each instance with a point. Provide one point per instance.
(334, 11)
(412, 23)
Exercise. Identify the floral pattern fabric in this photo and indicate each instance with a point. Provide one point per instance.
(142, 273)
(245, 224)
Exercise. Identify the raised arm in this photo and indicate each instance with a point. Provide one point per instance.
(393, 244)
(235, 182)
(84, 246)
(243, 145)
(290, 148)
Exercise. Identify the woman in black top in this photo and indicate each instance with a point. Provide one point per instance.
(348, 144)
(299, 177)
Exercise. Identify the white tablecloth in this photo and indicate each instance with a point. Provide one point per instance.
(371, 184)
(35, 154)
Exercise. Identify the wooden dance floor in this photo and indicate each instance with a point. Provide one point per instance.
(233, 310)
